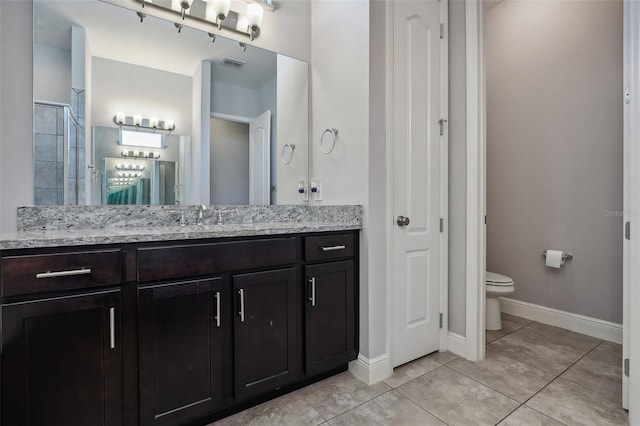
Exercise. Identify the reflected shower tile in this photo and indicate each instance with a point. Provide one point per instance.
(60, 148)
(45, 197)
(72, 163)
(45, 119)
(81, 164)
(60, 175)
(45, 174)
(45, 147)
(60, 126)
(81, 105)
(81, 192)
(61, 196)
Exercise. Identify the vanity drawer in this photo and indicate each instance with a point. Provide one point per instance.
(65, 271)
(328, 247)
(180, 261)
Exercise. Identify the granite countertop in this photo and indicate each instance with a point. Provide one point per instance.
(91, 236)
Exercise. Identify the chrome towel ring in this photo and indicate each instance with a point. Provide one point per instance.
(334, 134)
(291, 147)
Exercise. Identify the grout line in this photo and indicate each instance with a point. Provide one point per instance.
(546, 415)
(356, 406)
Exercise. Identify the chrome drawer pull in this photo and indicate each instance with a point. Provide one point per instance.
(112, 328)
(312, 299)
(82, 271)
(241, 292)
(332, 248)
(217, 296)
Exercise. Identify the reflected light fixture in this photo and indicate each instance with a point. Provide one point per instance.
(139, 122)
(219, 13)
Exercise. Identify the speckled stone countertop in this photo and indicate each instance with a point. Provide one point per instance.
(242, 222)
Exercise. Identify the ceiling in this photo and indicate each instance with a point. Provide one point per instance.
(116, 33)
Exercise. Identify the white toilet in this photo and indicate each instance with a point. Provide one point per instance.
(496, 285)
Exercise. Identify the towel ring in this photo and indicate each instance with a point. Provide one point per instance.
(334, 134)
(292, 147)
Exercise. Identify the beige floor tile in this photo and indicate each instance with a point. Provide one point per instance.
(548, 348)
(510, 323)
(340, 393)
(442, 357)
(390, 408)
(411, 370)
(573, 404)
(288, 410)
(505, 375)
(600, 370)
(525, 416)
(456, 399)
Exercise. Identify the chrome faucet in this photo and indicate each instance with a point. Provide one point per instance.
(201, 210)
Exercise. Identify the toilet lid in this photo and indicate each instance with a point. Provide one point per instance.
(496, 279)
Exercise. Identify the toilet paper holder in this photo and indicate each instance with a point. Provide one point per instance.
(565, 256)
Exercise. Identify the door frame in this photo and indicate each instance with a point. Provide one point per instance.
(631, 194)
(444, 176)
(476, 192)
(476, 181)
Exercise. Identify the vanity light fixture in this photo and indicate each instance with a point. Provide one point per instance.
(219, 13)
(137, 167)
(139, 122)
(129, 175)
(243, 46)
(140, 154)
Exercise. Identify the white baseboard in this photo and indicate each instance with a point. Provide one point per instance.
(457, 344)
(600, 329)
(373, 370)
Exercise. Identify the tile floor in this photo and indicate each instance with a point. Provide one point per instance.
(534, 374)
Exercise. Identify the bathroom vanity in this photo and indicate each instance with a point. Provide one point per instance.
(154, 330)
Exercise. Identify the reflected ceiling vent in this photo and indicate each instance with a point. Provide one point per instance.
(230, 62)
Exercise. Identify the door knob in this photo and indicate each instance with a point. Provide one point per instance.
(402, 221)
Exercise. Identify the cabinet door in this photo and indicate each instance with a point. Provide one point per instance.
(61, 361)
(181, 349)
(330, 316)
(265, 322)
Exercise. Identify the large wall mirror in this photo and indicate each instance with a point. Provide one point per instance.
(131, 112)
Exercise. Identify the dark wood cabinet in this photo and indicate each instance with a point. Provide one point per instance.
(61, 361)
(181, 347)
(265, 318)
(329, 316)
(171, 333)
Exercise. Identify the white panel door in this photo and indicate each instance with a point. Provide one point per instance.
(417, 108)
(260, 159)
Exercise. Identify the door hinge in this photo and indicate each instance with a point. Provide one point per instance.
(627, 230)
(441, 225)
(441, 122)
(441, 30)
(626, 367)
(485, 219)
(627, 94)
(442, 320)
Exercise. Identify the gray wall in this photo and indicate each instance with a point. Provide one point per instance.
(554, 151)
(52, 74)
(229, 162)
(457, 168)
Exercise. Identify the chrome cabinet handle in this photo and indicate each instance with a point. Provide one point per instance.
(241, 292)
(217, 296)
(83, 271)
(332, 248)
(402, 221)
(112, 328)
(312, 299)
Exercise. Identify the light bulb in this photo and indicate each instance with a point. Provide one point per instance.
(255, 12)
(222, 8)
(153, 122)
(175, 5)
(120, 117)
(137, 120)
(169, 125)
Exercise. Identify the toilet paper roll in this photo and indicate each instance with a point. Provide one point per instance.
(554, 259)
